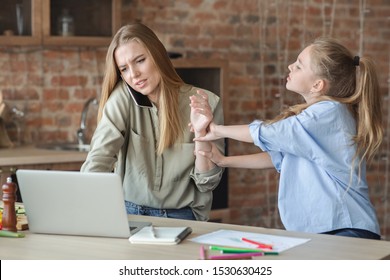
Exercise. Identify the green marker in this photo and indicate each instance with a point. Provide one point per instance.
(6, 233)
(241, 250)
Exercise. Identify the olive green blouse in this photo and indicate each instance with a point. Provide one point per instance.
(125, 142)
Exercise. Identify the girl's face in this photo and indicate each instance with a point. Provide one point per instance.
(137, 69)
(301, 78)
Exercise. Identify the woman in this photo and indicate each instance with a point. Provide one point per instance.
(152, 147)
(319, 147)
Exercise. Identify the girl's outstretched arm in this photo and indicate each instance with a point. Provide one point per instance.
(236, 132)
(253, 161)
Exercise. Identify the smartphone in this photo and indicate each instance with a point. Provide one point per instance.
(139, 99)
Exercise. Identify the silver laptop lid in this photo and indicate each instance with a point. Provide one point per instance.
(74, 203)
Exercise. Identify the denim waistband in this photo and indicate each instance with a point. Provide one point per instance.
(182, 213)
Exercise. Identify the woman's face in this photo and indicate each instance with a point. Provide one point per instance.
(301, 77)
(137, 69)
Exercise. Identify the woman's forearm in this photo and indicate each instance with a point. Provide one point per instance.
(202, 163)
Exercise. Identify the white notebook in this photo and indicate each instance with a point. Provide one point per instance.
(160, 235)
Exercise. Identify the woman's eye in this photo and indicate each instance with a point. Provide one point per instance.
(141, 60)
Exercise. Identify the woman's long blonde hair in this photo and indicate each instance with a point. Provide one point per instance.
(171, 126)
(352, 81)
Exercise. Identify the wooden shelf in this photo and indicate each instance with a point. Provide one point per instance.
(32, 31)
(104, 20)
(94, 25)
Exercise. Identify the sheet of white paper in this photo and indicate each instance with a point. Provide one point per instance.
(232, 238)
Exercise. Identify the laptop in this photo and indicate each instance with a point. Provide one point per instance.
(75, 203)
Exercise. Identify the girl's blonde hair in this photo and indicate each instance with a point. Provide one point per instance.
(352, 81)
(171, 126)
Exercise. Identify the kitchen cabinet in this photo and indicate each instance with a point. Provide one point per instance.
(95, 21)
(25, 31)
(88, 22)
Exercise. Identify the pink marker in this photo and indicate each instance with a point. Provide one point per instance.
(235, 256)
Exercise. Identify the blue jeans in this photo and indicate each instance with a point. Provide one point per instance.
(354, 232)
(183, 213)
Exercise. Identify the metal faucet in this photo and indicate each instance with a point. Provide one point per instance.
(19, 122)
(81, 131)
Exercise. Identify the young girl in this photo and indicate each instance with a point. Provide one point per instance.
(320, 147)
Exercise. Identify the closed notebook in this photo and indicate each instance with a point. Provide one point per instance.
(160, 235)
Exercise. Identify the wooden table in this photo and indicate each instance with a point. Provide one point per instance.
(61, 247)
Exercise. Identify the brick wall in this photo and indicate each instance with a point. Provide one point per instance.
(258, 38)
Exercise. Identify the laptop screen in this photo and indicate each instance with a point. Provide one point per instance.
(74, 203)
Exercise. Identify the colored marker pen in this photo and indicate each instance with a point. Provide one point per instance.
(6, 233)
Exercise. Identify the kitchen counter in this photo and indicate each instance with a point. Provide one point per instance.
(31, 155)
